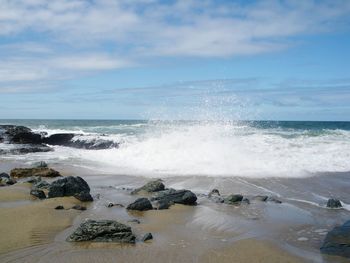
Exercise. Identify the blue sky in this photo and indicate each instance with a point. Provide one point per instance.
(185, 59)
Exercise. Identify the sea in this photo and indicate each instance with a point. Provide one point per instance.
(252, 149)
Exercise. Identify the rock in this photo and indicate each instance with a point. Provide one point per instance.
(41, 185)
(26, 138)
(59, 207)
(141, 204)
(68, 186)
(26, 148)
(84, 197)
(79, 207)
(102, 231)
(28, 172)
(134, 221)
(337, 241)
(245, 201)
(113, 204)
(185, 197)
(214, 192)
(334, 203)
(150, 187)
(38, 193)
(5, 179)
(93, 144)
(273, 199)
(63, 139)
(233, 199)
(146, 237)
(40, 164)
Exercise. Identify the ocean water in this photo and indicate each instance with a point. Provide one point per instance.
(256, 149)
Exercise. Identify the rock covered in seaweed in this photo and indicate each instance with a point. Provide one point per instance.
(102, 231)
(185, 197)
(70, 186)
(150, 187)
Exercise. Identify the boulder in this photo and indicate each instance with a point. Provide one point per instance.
(147, 237)
(185, 197)
(26, 138)
(233, 199)
(38, 193)
(337, 241)
(150, 187)
(102, 231)
(28, 172)
(68, 186)
(141, 204)
(334, 203)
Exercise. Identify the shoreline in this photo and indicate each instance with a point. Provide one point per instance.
(210, 231)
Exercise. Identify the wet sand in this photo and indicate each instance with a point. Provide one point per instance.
(33, 231)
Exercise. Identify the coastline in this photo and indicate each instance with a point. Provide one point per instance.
(180, 234)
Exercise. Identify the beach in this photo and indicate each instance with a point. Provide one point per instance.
(290, 226)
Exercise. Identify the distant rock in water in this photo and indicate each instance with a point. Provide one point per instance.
(233, 199)
(334, 203)
(150, 187)
(70, 186)
(170, 196)
(102, 231)
(28, 172)
(141, 204)
(337, 241)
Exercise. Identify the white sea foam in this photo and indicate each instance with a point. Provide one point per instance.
(223, 149)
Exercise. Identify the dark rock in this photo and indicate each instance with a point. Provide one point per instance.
(5, 179)
(63, 139)
(113, 204)
(334, 203)
(41, 185)
(102, 231)
(28, 172)
(233, 199)
(146, 237)
(79, 207)
(38, 193)
(26, 138)
(59, 207)
(245, 201)
(68, 186)
(84, 197)
(26, 148)
(134, 221)
(93, 144)
(170, 196)
(214, 192)
(337, 241)
(150, 187)
(141, 204)
(40, 164)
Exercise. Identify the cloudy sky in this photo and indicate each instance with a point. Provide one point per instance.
(140, 59)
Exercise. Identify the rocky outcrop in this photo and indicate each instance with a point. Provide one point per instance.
(172, 196)
(334, 203)
(102, 231)
(28, 172)
(63, 139)
(337, 241)
(150, 187)
(141, 204)
(70, 186)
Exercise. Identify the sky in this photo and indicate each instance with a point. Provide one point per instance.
(179, 59)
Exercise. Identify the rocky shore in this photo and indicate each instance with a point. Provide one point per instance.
(41, 203)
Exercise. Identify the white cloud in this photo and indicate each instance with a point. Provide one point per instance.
(73, 34)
